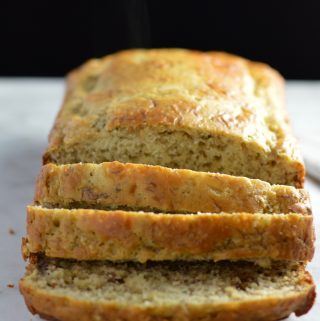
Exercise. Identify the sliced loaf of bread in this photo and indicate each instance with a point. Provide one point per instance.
(87, 234)
(209, 112)
(80, 291)
(154, 188)
(205, 111)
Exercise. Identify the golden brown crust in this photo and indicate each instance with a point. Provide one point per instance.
(66, 308)
(139, 236)
(211, 94)
(147, 187)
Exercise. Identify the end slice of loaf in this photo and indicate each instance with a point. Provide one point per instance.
(175, 291)
(205, 111)
(155, 188)
(85, 234)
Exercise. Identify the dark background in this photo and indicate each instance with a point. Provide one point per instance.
(48, 38)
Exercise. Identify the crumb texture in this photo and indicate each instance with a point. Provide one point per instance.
(166, 291)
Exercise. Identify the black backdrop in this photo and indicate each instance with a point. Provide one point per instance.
(48, 38)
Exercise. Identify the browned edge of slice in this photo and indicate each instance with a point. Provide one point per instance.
(156, 188)
(85, 234)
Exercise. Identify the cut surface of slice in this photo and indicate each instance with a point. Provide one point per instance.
(205, 111)
(86, 234)
(155, 188)
(176, 291)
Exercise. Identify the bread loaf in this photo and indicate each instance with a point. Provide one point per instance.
(178, 108)
(168, 176)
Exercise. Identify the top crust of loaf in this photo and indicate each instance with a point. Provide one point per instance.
(161, 92)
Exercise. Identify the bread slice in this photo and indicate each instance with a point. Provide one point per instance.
(181, 109)
(153, 188)
(175, 291)
(84, 234)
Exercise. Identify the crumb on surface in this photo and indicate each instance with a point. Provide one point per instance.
(11, 231)
(10, 285)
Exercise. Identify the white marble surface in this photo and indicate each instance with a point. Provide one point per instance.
(27, 110)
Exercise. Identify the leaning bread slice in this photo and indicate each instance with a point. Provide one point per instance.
(205, 111)
(154, 188)
(175, 291)
(85, 234)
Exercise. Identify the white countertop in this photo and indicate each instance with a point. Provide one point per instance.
(27, 110)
